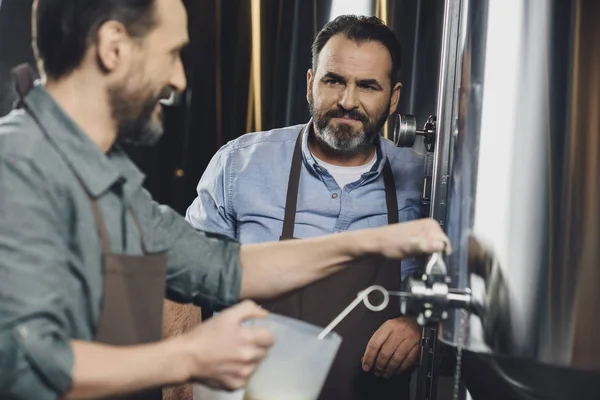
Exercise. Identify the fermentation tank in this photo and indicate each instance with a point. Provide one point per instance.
(517, 173)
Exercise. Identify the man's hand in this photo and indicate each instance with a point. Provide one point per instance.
(417, 237)
(394, 348)
(224, 354)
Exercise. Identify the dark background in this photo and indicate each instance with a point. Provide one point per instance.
(215, 107)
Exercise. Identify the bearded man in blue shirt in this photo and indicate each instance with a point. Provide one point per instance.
(333, 174)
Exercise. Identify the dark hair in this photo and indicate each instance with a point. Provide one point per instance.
(360, 28)
(64, 29)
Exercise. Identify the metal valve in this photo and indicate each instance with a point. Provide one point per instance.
(405, 131)
(430, 297)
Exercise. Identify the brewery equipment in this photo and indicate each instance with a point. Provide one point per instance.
(516, 185)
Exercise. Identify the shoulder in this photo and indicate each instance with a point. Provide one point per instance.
(262, 147)
(266, 138)
(401, 156)
(407, 165)
(22, 140)
(32, 160)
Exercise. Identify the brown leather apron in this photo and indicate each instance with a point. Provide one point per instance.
(134, 286)
(322, 301)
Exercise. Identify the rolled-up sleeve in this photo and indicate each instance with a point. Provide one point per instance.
(36, 359)
(202, 268)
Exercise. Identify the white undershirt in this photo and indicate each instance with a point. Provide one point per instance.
(345, 175)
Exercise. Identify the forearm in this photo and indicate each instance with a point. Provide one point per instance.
(272, 269)
(102, 370)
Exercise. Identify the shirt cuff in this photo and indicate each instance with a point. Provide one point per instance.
(229, 276)
(49, 356)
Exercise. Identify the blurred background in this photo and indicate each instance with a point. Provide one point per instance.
(246, 69)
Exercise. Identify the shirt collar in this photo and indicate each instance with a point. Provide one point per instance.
(97, 171)
(313, 166)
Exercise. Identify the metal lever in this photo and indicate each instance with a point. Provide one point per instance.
(436, 265)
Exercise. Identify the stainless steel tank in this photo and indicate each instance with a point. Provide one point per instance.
(523, 212)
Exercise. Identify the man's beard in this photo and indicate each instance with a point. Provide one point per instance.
(346, 140)
(134, 116)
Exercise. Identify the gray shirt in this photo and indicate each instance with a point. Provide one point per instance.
(50, 253)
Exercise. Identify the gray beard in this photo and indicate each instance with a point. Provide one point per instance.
(347, 146)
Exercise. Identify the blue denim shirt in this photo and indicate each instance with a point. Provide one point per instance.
(243, 190)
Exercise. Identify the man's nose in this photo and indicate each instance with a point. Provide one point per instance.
(349, 99)
(178, 80)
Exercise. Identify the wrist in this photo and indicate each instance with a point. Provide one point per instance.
(368, 243)
(411, 322)
(181, 365)
(353, 245)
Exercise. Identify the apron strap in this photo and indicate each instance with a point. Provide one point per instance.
(136, 220)
(24, 79)
(102, 231)
(390, 194)
(291, 200)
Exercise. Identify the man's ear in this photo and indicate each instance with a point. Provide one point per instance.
(395, 97)
(309, 83)
(113, 45)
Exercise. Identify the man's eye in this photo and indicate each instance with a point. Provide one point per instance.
(332, 81)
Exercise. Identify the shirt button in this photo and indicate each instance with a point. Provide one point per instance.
(334, 196)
